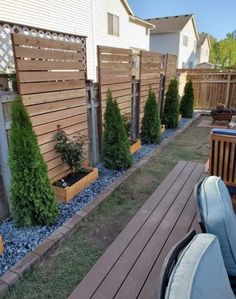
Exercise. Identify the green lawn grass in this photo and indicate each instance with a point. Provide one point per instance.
(63, 270)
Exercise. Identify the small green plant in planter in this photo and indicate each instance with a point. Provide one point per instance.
(127, 124)
(72, 154)
(116, 147)
(150, 130)
(71, 151)
(171, 108)
(32, 197)
(186, 106)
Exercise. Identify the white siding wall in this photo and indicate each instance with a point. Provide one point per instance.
(165, 43)
(82, 17)
(188, 54)
(203, 52)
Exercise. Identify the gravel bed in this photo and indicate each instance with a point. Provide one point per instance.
(20, 241)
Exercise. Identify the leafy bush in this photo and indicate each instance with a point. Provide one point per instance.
(150, 130)
(116, 147)
(186, 105)
(32, 197)
(71, 150)
(171, 108)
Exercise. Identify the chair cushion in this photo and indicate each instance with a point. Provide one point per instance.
(218, 217)
(199, 272)
(223, 132)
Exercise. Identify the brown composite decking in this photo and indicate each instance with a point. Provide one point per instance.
(131, 265)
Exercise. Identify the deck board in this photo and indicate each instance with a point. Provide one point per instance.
(131, 265)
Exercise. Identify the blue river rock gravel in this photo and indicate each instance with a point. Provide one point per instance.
(19, 241)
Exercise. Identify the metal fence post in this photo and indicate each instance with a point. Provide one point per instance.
(93, 126)
(134, 112)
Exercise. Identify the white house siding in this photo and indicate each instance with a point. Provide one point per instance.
(187, 55)
(203, 52)
(165, 43)
(81, 17)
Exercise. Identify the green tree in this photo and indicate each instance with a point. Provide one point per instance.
(32, 197)
(171, 108)
(116, 147)
(223, 52)
(186, 105)
(150, 130)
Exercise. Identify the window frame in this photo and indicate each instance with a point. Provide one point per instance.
(113, 24)
(185, 40)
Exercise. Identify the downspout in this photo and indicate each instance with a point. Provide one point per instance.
(94, 44)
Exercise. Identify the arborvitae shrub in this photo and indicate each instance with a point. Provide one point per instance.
(186, 106)
(171, 107)
(150, 130)
(32, 197)
(116, 147)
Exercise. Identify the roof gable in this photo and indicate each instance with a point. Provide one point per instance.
(171, 24)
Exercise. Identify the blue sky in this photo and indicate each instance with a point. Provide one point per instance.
(216, 17)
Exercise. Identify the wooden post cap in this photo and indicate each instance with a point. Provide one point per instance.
(1, 245)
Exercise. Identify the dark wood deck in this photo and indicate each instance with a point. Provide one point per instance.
(130, 267)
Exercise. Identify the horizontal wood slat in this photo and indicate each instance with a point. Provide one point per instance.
(150, 68)
(115, 73)
(20, 39)
(51, 82)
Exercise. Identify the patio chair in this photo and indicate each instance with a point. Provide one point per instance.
(198, 272)
(216, 216)
(232, 124)
(222, 161)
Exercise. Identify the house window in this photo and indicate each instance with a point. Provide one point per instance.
(185, 40)
(113, 24)
(206, 52)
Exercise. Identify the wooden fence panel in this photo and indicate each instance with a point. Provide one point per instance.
(115, 73)
(51, 83)
(150, 68)
(211, 87)
(170, 69)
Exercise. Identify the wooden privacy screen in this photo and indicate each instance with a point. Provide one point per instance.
(150, 67)
(51, 82)
(115, 73)
(211, 87)
(170, 69)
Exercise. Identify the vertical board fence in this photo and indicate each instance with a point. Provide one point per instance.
(211, 87)
(115, 73)
(150, 68)
(51, 83)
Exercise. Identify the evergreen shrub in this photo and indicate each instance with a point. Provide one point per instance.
(150, 129)
(116, 147)
(32, 197)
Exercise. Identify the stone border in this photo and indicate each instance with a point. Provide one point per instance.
(43, 250)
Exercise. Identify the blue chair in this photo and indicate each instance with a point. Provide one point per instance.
(217, 217)
(197, 273)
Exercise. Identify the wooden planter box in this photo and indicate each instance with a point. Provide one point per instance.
(136, 146)
(66, 194)
(1, 245)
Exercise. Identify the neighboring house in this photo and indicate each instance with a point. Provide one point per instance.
(205, 65)
(104, 22)
(203, 49)
(177, 35)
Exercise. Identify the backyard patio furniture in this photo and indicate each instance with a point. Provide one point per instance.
(222, 160)
(131, 265)
(222, 114)
(198, 272)
(217, 217)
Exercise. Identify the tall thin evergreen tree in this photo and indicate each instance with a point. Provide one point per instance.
(32, 197)
(186, 106)
(116, 147)
(150, 130)
(171, 108)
